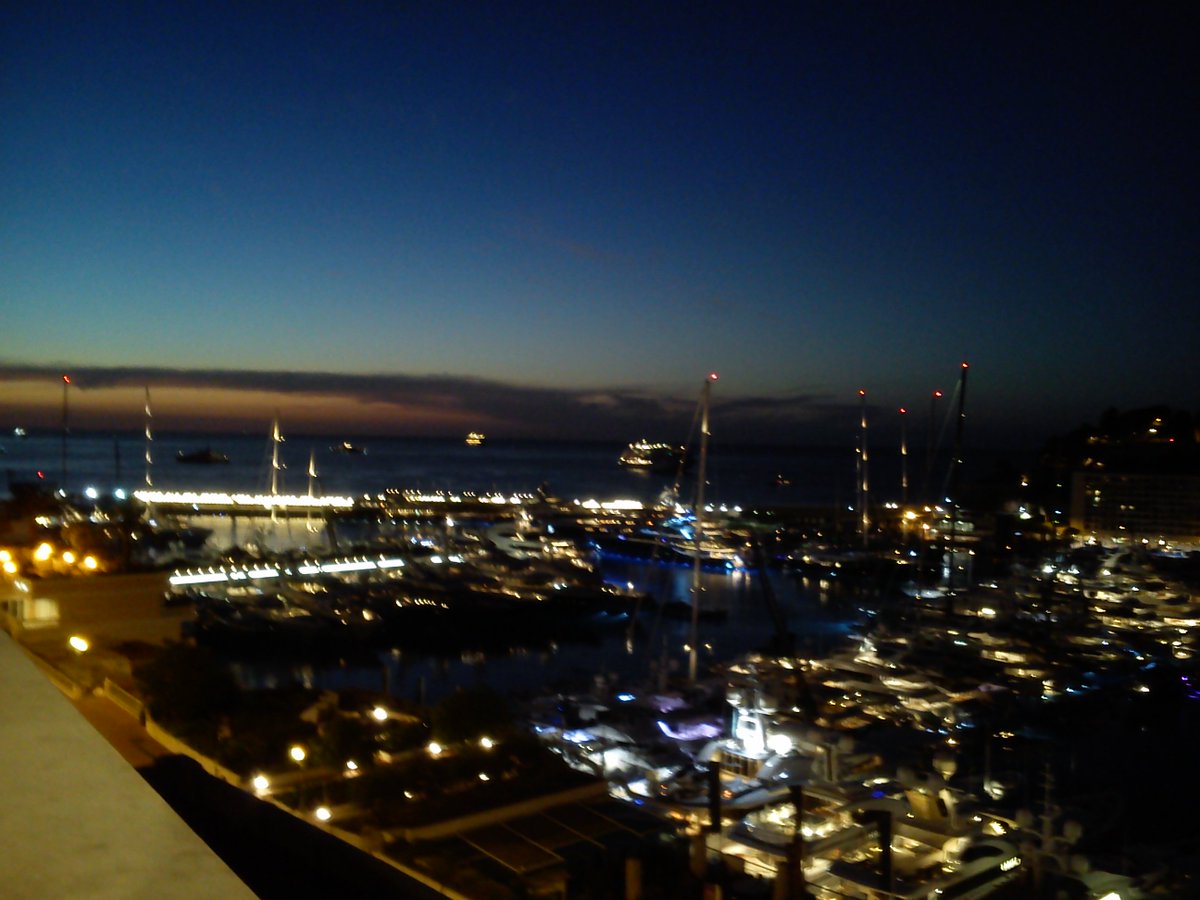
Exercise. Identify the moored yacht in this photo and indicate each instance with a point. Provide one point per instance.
(653, 456)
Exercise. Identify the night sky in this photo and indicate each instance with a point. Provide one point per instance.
(554, 219)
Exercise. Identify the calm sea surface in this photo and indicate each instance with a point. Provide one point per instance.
(749, 477)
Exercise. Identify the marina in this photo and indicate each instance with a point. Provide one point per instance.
(373, 522)
(794, 706)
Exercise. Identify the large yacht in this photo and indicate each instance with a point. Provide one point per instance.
(653, 456)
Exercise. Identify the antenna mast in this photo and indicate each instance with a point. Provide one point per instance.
(694, 632)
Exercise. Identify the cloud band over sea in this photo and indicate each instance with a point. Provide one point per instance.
(401, 404)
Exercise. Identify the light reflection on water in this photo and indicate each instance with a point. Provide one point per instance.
(743, 476)
(736, 475)
(818, 624)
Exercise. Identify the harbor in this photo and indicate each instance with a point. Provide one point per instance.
(700, 691)
(589, 452)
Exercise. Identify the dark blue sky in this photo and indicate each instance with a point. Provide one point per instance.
(556, 218)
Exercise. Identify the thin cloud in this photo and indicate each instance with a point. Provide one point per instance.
(516, 410)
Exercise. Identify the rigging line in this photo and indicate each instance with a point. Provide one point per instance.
(687, 448)
(951, 412)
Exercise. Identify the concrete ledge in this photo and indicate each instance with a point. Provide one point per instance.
(76, 820)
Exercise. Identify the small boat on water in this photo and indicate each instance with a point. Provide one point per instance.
(476, 439)
(653, 456)
(347, 447)
(204, 457)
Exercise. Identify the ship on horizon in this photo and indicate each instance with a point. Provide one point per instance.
(204, 457)
(653, 456)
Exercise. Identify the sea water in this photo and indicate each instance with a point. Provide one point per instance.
(735, 475)
(746, 477)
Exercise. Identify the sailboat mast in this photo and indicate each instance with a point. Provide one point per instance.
(955, 466)
(312, 478)
(863, 489)
(275, 441)
(149, 444)
(904, 475)
(66, 428)
(958, 433)
(698, 532)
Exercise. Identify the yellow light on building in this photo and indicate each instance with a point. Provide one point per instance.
(43, 551)
(78, 643)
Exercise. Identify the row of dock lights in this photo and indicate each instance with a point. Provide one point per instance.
(216, 575)
(497, 499)
(197, 499)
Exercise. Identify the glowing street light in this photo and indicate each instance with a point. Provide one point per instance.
(79, 643)
(260, 783)
(379, 714)
(297, 753)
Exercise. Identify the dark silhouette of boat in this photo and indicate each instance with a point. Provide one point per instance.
(204, 457)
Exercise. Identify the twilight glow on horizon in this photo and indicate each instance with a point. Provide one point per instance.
(553, 220)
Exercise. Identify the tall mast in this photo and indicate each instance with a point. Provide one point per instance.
(149, 443)
(276, 440)
(903, 457)
(863, 489)
(958, 433)
(694, 632)
(312, 479)
(149, 455)
(66, 428)
(955, 465)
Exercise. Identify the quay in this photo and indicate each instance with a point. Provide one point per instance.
(840, 723)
